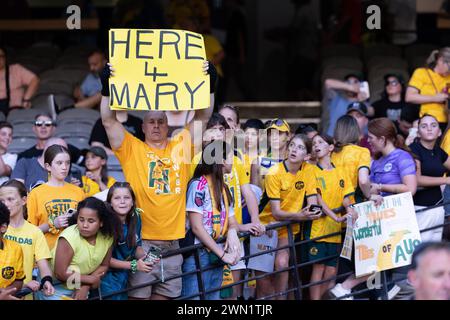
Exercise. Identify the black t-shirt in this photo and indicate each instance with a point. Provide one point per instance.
(34, 152)
(431, 164)
(133, 125)
(388, 109)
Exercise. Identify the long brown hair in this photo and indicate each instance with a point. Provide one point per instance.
(346, 132)
(132, 217)
(214, 170)
(383, 127)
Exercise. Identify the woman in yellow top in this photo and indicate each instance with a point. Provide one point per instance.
(287, 185)
(85, 248)
(429, 86)
(11, 259)
(355, 160)
(48, 204)
(335, 191)
(35, 249)
(96, 177)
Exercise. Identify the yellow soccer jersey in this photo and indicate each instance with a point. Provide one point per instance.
(159, 178)
(90, 187)
(352, 158)
(33, 243)
(11, 263)
(238, 177)
(429, 82)
(445, 144)
(290, 189)
(334, 185)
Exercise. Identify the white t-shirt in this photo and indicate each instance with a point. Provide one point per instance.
(9, 159)
(198, 200)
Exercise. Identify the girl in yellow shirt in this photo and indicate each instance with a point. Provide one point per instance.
(96, 178)
(31, 239)
(85, 248)
(48, 204)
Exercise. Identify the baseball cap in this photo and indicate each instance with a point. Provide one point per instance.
(356, 75)
(278, 124)
(357, 106)
(98, 151)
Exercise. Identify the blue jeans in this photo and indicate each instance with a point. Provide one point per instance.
(446, 196)
(212, 278)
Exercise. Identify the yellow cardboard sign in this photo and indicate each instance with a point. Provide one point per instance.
(157, 69)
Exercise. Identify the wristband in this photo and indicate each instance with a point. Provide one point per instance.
(104, 78)
(222, 255)
(44, 280)
(133, 265)
(212, 77)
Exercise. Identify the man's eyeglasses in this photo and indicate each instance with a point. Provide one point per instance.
(41, 123)
(393, 82)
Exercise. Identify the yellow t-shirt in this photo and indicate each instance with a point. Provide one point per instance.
(90, 187)
(334, 186)
(159, 178)
(47, 202)
(86, 257)
(290, 189)
(352, 158)
(11, 263)
(213, 47)
(445, 144)
(238, 177)
(33, 244)
(423, 81)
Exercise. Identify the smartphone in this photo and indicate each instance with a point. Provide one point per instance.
(76, 173)
(71, 211)
(315, 207)
(154, 253)
(23, 292)
(364, 87)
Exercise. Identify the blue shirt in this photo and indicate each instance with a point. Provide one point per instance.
(337, 108)
(117, 279)
(91, 85)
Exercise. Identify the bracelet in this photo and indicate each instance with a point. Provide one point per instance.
(222, 255)
(133, 265)
(44, 280)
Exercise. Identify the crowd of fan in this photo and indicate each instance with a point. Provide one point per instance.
(64, 236)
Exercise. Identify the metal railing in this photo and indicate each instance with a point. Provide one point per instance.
(294, 266)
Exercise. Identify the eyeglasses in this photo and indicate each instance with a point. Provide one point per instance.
(41, 123)
(393, 82)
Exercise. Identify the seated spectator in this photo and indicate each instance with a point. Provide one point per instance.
(88, 95)
(85, 247)
(96, 177)
(358, 110)
(11, 256)
(128, 254)
(7, 160)
(30, 238)
(428, 86)
(392, 100)
(339, 94)
(408, 120)
(31, 171)
(48, 204)
(430, 271)
(44, 128)
(21, 86)
(131, 124)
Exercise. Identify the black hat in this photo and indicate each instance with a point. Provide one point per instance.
(357, 106)
(356, 75)
(99, 151)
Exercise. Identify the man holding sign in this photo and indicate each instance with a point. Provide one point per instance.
(158, 168)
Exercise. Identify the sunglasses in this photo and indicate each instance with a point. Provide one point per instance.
(393, 82)
(41, 123)
(277, 122)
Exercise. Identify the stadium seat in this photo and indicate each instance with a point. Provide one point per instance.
(17, 116)
(118, 175)
(382, 50)
(113, 163)
(75, 129)
(338, 50)
(79, 114)
(383, 62)
(21, 144)
(23, 129)
(342, 62)
(79, 142)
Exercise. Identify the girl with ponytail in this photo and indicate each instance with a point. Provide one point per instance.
(429, 86)
(393, 170)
